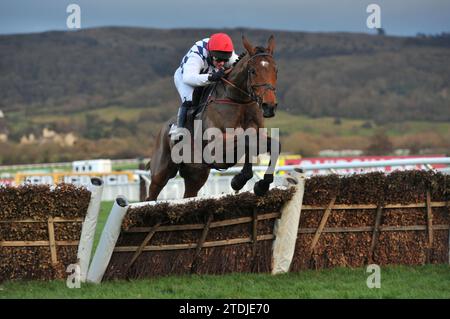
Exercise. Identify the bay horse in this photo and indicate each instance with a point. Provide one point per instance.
(242, 100)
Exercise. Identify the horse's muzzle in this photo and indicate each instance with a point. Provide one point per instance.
(268, 110)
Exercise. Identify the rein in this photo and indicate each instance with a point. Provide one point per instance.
(236, 87)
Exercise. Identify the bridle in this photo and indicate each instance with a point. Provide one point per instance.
(250, 92)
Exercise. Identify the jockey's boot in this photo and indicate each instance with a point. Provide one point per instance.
(176, 132)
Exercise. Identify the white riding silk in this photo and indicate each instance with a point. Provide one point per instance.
(194, 69)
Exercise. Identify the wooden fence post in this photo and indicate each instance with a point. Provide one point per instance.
(200, 243)
(51, 238)
(141, 247)
(254, 239)
(429, 227)
(323, 221)
(376, 230)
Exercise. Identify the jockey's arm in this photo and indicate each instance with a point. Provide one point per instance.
(191, 72)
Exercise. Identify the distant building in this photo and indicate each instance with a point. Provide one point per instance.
(28, 139)
(61, 139)
(89, 166)
(49, 136)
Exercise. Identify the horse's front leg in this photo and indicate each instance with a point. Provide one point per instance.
(274, 148)
(240, 179)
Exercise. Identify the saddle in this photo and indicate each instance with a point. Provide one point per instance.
(199, 102)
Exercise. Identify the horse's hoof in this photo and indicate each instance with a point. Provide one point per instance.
(239, 181)
(236, 183)
(261, 187)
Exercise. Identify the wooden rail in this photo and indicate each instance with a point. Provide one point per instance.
(373, 206)
(254, 237)
(371, 229)
(55, 220)
(194, 245)
(223, 223)
(37, 243)
(52, 243)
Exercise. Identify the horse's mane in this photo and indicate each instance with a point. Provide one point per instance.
(243, 54)
(239, 58)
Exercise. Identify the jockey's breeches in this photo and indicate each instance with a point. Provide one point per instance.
(184, 90)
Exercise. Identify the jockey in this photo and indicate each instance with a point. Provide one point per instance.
(201, 66)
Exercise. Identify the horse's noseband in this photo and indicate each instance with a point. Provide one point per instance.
(266, 86)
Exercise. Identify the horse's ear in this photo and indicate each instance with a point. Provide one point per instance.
(250, 49)
(271, 46)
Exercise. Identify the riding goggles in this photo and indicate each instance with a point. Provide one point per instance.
(216, 59)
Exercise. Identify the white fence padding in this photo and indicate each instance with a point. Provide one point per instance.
(108, 240)
(286, 228)
(89, 226)
(130, 190)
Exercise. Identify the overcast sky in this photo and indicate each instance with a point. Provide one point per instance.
(398, 17)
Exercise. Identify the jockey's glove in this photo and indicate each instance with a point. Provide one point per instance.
(216, 76)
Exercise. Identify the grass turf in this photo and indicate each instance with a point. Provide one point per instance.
(429, 281)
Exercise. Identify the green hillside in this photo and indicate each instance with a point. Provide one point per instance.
(116, 132)
(113, 88)
(320, 74)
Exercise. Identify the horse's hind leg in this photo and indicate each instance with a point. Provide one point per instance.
(194, 179)
(161, 166)
(159, 181)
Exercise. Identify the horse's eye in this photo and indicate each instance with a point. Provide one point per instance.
(253, 71)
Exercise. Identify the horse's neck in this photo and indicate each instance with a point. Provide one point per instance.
(239, 79)
(239, 113)
(233, 113)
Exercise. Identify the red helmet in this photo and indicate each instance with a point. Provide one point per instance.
(220, 42)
